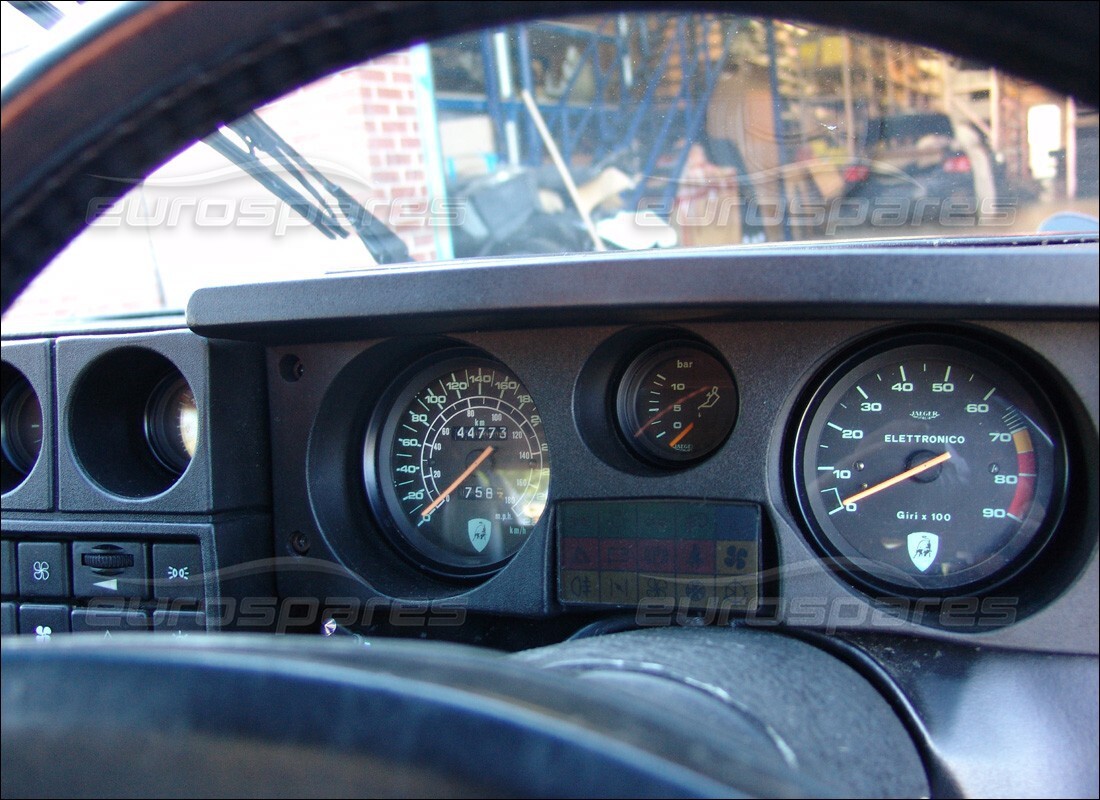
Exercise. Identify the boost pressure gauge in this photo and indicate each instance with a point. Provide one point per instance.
(676, 403)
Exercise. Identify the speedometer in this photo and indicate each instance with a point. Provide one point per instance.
(929, 465)
(459, 466)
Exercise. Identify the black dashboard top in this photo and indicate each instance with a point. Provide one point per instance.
(935, 279)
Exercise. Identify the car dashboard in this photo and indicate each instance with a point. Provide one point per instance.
(288, 420)
(276, 515)
(775, 520)
(273, 523)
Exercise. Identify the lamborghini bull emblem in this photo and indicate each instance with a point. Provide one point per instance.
(922, 549)
(479, 531)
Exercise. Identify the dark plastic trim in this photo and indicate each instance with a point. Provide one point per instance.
(656, 286)
(230, 469)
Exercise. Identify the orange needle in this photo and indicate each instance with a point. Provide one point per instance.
(681, 435)
(668, 408)
(455, 484)
(886, 484)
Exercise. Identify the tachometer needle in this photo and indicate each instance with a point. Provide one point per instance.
(488, 451)
(886, 484)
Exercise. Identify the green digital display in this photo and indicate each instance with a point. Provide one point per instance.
(691, 553)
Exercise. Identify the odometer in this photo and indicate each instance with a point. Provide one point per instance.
(928, 467)
(459, 466)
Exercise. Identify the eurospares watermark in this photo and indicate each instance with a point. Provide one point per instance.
(268, 213)
(227, 198)
(305, 613)
(234, 607)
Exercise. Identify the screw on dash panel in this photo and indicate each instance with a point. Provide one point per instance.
(291, 368)
(299, 542)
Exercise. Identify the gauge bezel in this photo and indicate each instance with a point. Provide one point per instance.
(1003, 358)
(625, 405)
(19, 460)
(167, 446)
(378, 452)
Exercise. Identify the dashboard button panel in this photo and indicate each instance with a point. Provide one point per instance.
(106, 586)
(43, 569)
(177, 572)
(110, 569)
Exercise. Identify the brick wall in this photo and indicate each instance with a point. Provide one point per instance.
(374, 134)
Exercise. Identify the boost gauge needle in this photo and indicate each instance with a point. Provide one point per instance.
(679, 401)
(886, 484)
(488, 451)
(681, 435)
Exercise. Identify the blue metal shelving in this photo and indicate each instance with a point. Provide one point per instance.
(636, 102)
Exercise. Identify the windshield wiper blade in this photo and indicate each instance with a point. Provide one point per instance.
(41, 12)
(309, 201)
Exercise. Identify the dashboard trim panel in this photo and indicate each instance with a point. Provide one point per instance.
(903, 281)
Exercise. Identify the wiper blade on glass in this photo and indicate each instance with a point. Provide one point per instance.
(259, 137)
(41, 12)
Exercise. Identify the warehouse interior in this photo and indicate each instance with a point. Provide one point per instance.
(622, 131)
(714, 108)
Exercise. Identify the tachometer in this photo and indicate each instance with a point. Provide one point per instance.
(925, 466)
(460, 466)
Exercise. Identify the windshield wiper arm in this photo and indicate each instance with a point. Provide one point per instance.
(259, 137)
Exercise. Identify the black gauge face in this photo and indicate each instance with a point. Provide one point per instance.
(927, 468)
(461, 467)
(172, 423)
(21, 418)
(677, 403)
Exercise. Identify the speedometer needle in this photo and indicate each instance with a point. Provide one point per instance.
(488, 451)
(886, 484)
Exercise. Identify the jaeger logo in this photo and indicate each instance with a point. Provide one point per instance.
(924, 416)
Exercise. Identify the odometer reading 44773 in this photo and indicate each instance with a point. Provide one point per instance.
(928, 467)
(461, 467)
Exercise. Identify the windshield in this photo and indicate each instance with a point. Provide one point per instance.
(626, 131)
